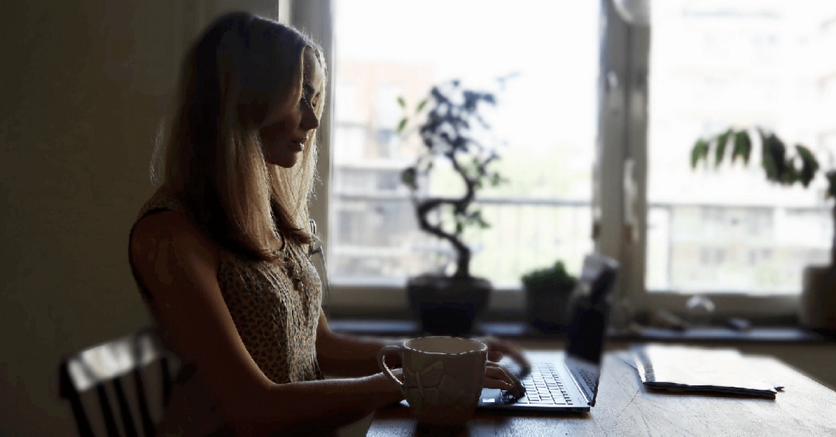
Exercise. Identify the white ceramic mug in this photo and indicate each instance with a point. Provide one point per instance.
(443, 377)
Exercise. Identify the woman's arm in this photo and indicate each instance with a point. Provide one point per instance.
(343, 355)
(178, 265)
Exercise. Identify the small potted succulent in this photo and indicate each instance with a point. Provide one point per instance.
(447, 304)
(547, 292)
(818, 299)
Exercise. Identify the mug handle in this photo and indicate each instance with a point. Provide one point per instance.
(381, 361)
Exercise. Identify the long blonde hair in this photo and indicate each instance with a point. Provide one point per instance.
(236, 72)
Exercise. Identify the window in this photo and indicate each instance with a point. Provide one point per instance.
(545, 115)
(725, 232)
(719, 64)
(602, 149)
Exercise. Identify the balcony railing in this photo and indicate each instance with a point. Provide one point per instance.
(690, 247)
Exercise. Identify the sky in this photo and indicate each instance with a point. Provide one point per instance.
(553, 48)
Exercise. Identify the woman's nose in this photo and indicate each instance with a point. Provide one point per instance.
(309, 119)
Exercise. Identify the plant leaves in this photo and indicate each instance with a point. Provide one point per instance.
(421, 105)
(831, 184)
(768, 159)
(401, 102)
(409, 179)
(699, 151)
(790, 174)
(402, 125)
(742, 147)
(776, 152)
(481, 220)
(551, 278)
(449, 118)
(809, 165)
(779, 150)
(722, 139)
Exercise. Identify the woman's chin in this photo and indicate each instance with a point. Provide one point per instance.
(286, 161)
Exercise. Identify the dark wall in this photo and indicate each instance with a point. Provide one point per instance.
(83, 85)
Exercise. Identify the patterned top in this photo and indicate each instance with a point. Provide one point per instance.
(275, 307)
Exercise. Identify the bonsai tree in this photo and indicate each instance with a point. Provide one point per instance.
(800, 167)
(450, 133)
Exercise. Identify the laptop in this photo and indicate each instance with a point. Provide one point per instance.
(569, 382)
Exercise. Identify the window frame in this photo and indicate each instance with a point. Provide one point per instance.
(623, 155)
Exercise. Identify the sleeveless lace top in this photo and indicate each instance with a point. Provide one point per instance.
(275, 307)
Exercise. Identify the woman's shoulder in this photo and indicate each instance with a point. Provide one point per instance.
(173, 234)
(162, 199)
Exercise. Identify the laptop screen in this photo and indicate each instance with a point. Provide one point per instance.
(589, 308)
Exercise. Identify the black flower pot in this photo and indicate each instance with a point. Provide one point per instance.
(446, 305)
(818, 299)
(546, 308)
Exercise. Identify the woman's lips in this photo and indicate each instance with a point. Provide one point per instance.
(298, 144)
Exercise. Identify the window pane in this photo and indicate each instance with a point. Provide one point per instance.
(546, 117)
(740, 64)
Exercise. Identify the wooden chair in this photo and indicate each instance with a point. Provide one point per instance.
(108, 364)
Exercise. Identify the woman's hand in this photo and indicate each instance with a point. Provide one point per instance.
(497, 349)
(497, 376)
(389, 388)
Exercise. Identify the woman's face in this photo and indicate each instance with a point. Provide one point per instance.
(285, 133)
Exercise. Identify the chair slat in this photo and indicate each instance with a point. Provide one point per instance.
(106, 364)
(167, 381)
(68, 391)
(107, 411)
(148, 428)
(124, 410)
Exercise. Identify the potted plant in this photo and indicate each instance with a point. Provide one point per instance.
(547, 292)
(447, 304)
(818, 298)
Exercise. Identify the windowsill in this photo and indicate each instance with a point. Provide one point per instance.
(387, 299)
(520, 330)
(761, 334)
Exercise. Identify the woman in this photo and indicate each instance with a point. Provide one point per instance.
(220, 250)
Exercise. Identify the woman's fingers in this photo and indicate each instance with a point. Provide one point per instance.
(498, 348)
(495, 356)
(502, 385)
(497, 376)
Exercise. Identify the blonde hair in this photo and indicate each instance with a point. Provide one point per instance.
(240, 69)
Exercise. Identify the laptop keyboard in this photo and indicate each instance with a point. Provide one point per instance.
(543, 386)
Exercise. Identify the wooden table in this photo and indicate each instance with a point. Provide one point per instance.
(625, 408)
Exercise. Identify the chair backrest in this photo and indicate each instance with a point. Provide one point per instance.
(107, 364)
